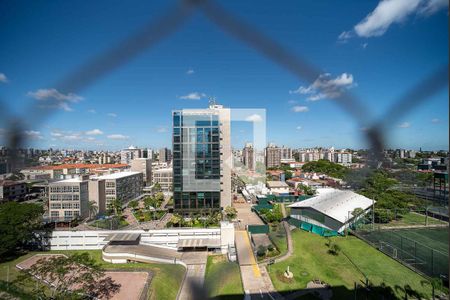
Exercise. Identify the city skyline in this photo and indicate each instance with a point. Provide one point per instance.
(133, 104)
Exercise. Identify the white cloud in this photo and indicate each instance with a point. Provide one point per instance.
(299, 128)
(33, 134)
(94, 132)
(118, 137)
(112, 115)
(161, 129)
(326, 87)
(56, 134)
(92, 111)
(190, 72)
(389, 12)
(300, 108)
(193, 96)
(345, 35)
(364, 45)
(45, 94)
(404, 125)
(292, 102)
(72, 137)
(3, 78)
(90, 139)
(253, 118)
(59, 99)
(435, 120)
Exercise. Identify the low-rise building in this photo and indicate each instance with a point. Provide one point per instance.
(278, 187)
(12, 190)
(331, 210)
(164, 178)
(123, 186)
(68, 199)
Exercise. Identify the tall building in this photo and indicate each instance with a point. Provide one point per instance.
(248, 156)
(164, 155)
(122, 186)
(126, 155)
(201, 159)
(286, 153)
(273, 156)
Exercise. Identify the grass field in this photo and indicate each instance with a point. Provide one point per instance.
(415, 246)
(413, 218)
(278, 236)
(164, 285)
(223, 278)
(311, 260)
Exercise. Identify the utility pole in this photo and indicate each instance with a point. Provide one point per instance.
(373, 214)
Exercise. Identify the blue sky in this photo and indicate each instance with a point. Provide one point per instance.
(377, 50)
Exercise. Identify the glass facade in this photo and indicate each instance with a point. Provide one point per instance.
(196, 161)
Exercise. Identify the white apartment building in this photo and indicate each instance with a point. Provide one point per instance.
(344, 158)
(68, 198)
(164, 177)
(124, 186)
(126, 155)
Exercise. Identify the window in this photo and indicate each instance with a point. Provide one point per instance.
(54, 214)
(68, 213)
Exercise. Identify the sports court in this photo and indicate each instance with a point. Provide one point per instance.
(425, 249)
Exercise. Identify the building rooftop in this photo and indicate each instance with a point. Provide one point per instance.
(276, 184)
(336, 204)
(118, 175)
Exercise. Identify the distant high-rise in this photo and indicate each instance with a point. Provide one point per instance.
(201, 159)
(248, 156)
(273, 156)
(164, 155)
(126, 155)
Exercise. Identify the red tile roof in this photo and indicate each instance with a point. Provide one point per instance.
(80, 166)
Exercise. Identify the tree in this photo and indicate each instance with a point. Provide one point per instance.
(149, 202)
(115, 206)
(231, 212)
(17, 223)
(357, 211)
(157, 187)
(133, 204)
(326, 167)
(306, 190)
(92, 208)
(159, 198)
(77, 276)
(176, 220)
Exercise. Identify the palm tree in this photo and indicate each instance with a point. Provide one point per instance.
(92, 208)
(116, 206)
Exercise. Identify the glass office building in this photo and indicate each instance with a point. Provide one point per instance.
(198, 153)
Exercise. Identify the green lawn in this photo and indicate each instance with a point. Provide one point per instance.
(223, 278)
(110, 223)
(278, 236)
(164, 285)
(412, 218)
(145, 216)
(311, 260)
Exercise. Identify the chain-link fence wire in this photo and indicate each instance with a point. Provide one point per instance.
(152, 33)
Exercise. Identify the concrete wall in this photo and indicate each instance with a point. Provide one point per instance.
(93, 239)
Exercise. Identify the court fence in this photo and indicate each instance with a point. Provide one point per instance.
(424, 259)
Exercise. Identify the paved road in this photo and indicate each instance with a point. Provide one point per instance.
(256, 281)
(195, 275)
